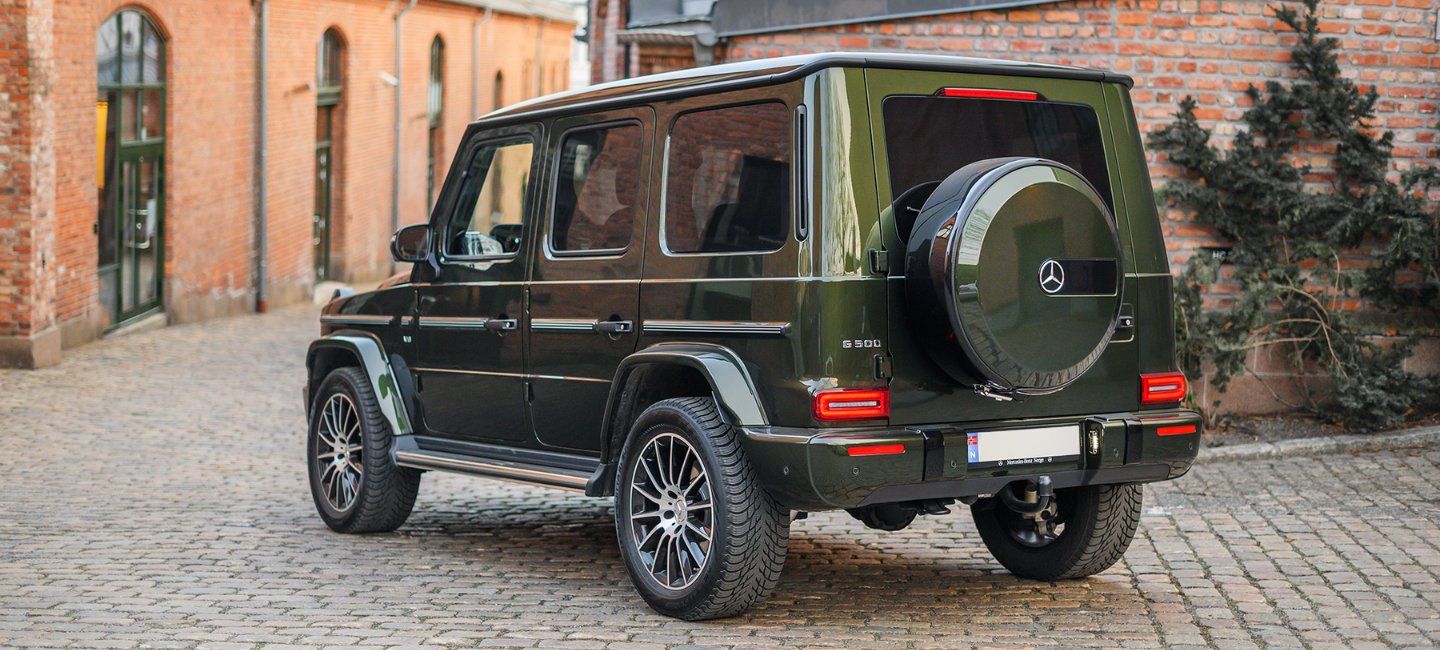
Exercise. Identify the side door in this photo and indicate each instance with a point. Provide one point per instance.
(470, 331)
(585, 287)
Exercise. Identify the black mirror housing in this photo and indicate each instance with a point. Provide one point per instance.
(411, 243)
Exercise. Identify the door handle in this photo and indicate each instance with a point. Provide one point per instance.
(615, 326)
(502, 324)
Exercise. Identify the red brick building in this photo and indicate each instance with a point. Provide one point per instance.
(137, 141)
(1211, 49)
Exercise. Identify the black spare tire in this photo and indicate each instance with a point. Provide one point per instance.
(1013, 275)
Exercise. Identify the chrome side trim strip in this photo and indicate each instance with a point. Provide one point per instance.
(603, 381)
(406, 321)
(562, 325)
(714, 327)
(355, 319)
(509, 374)
(501, 469)
(471, 372)
(453, 322)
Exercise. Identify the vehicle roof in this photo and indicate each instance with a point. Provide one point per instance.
(764, 72)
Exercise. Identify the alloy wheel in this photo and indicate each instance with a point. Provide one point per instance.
(338, 452)
(671, 513)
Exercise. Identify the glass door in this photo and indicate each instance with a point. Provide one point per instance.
(140, 218)
(323, 151)
(130, 143)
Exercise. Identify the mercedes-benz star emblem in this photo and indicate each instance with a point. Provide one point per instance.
(1052, 277)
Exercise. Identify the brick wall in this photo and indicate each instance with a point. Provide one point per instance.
(27, 185)
(1210, 49)
(49, 291)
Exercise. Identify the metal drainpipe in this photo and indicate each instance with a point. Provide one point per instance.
(261, 250)
(539, 58)
(475, 65)
(395, 187)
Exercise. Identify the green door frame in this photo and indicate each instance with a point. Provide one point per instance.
(324, 168)
(132, 96)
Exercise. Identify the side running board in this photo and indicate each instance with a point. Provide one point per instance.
(509, 470)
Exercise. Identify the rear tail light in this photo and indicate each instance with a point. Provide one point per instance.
(876, 450)
(852, 404)
(986, 93)
(1162, 389)
(1175, 431)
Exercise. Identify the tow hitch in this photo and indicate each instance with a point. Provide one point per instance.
(1036, 503)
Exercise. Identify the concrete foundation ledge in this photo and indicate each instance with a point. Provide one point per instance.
(33, 351)
(1326, 445)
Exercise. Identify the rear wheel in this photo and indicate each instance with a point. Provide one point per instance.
(1092, 528)
(356, 486)
(700, 538)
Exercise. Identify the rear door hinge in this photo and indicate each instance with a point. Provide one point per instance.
(883, 368)
(879, 262)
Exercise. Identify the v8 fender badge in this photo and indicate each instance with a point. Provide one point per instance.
(1052, 276)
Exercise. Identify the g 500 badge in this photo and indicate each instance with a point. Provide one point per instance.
(860, 343)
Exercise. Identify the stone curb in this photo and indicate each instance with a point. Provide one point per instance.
(1316, 446)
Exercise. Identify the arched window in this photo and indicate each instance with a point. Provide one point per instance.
(499, 99)
(130, 68)
(329, 129)
(437, 79)
(436, 101)
(328, 79)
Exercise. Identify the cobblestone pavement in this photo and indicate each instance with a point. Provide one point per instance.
(152, 496)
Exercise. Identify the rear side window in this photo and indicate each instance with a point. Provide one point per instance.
(596, 190)
(727, 184)
(927, 138)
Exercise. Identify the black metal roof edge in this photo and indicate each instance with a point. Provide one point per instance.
(882, 17)
(804, 65)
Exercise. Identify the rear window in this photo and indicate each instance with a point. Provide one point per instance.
(927, 138)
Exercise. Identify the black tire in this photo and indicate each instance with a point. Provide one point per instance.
(1099, 524)
(370, 494)
(748, 530)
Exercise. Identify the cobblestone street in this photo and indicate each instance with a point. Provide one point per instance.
(153, 495)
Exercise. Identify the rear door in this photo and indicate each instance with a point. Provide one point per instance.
(927, 125)
(585, 287)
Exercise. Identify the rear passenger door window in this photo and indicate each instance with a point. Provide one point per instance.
(597, 188)
(727, 180)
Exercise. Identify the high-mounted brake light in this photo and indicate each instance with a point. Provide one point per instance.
(985, 93)
(852, 404)
(876, 450)
(1162, 389)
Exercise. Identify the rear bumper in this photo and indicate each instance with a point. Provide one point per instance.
(813, 469)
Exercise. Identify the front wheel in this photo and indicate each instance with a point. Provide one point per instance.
(357, 487)
(1092, 527)
(700, 538)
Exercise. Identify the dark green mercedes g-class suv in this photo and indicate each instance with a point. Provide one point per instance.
(730, 296)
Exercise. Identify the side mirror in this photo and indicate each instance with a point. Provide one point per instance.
(411, 243)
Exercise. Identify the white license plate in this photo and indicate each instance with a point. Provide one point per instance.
(1033, 446)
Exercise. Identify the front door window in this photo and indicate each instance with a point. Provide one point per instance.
(130, 143)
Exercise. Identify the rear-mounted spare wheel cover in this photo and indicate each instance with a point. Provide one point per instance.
(1013, 275)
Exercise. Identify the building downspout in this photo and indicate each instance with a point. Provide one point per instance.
(475, 65)
(610, 42)
(395, 186)
(262, 164)
(539, 58)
